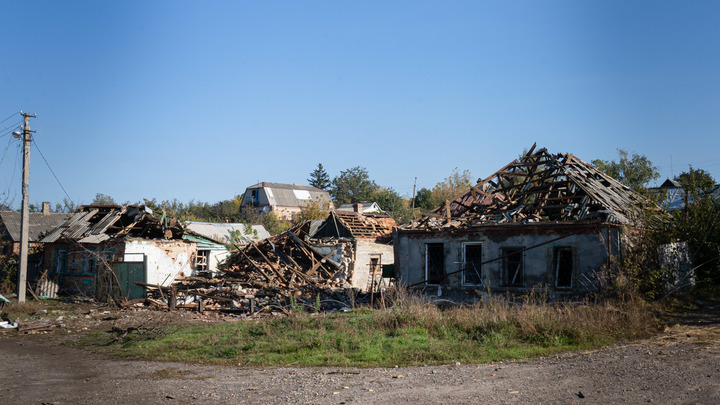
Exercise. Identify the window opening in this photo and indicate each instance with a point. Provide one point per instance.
(513, 266)
(434, 262)
(472, 262)
(201, 260)
(563, 264)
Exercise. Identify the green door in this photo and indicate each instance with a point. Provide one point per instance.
(127, 274)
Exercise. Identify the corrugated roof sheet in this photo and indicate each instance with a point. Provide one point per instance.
(40, 224)
(221, 231)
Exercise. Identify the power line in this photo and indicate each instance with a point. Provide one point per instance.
(11, 128)
(14, 114)
(52, 171)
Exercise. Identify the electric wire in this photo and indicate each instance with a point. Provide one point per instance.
(6, 194)
(10, 129)
(52, 171)
(14, 114)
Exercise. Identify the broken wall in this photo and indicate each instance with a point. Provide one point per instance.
(368, 256)
(565, 262)
(165, 259)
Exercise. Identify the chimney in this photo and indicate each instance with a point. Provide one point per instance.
(46, 208)
(357, 207)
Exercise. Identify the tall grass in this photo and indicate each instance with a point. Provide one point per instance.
(410, 332)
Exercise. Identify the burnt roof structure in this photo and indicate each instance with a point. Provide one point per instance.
(348, 224)
(98, 223)
(541, 187)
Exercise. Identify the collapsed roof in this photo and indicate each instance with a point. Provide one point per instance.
(98, 223)
(542, 187)
(348, 224)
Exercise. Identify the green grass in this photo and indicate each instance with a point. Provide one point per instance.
(409, 333)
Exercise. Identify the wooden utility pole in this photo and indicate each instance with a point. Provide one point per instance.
(25, 214)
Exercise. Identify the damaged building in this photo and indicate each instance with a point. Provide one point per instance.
(361, 242)
(543, 220)
(103, 250)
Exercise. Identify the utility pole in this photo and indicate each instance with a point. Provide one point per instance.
(25, 214)
(413, 202)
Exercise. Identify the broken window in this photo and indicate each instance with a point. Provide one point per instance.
(61, 259)
(513, 266)
(201, 260)
(434, 262)
(563, 265)
(255, 193)
(472, 263)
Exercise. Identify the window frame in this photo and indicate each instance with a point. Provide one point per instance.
(464, 264)
(507, 253)
(441, 246)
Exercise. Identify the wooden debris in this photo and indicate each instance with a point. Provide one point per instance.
(267, 276)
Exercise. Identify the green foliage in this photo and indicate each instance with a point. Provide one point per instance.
(696, 181)
(8, 273)
(67, 206)
(455, 185)
(314, 209)
(273, 224)
(634, 171)
(226, 210)
(352, 185)
(319, 178)
(423, 199)
(390, 202)
(103, 199)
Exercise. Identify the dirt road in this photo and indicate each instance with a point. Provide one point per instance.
(680, 366)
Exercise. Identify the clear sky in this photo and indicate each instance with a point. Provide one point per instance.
(200, 99)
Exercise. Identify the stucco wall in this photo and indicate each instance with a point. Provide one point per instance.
(589, 254)
(165, 259)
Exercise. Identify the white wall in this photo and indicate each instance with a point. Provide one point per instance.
(164, 259)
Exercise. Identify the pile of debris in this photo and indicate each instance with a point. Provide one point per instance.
(269, 276)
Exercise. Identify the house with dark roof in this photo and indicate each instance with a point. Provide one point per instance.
(542, 220)
(40, 223)
(285, 200)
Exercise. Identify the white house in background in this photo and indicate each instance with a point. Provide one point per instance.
(283, 199)
(365, 207)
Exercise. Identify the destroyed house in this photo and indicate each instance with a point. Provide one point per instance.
(213, 239)
(543, 220)
(361, 243)
(103, 250)
(285, 200)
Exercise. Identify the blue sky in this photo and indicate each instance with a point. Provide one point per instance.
(198, 100)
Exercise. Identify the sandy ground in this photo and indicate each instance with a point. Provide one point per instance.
(679, 366)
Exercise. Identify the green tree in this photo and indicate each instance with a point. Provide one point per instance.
(455, 185)
(423, 199)
(696, 180)
(273, 224)
(319, 178)
(634, 171)
(352, 185)
(103, 199)
(313, 209)
(392, 203)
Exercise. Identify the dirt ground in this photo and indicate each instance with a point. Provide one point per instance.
(679, 366)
